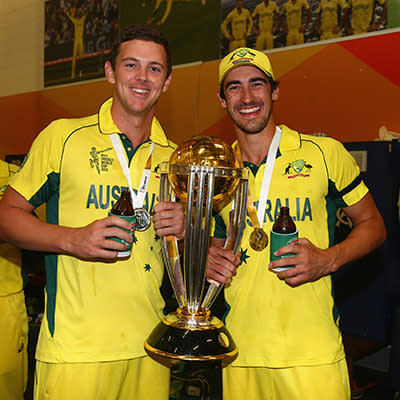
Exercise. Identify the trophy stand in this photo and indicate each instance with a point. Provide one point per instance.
(191, 333)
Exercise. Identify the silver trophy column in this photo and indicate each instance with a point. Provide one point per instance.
(191, 332)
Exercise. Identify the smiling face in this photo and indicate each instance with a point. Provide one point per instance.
(139, 77)
(248, 98)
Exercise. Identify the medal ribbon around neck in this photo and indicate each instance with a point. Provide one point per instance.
(143, 219)
(258, 238)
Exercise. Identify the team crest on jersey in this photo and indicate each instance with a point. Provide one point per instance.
(298, 168)
(99, 160)
(157, 169)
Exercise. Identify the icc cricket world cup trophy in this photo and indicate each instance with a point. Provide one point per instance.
(204, 174)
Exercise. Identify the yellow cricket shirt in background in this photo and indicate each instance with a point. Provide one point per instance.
(10, 256)
(241, 24)
(266, 15)
(95, 311)
(329, 14)
(362, 12)
(294, 13)
(273, 324)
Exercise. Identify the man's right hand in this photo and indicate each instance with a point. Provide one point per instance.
(221, 265)
(91, 241)
(20, 227)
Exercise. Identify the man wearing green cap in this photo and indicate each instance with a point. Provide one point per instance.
(284, 323)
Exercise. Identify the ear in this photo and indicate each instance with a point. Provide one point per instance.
(166, 83)
(221, 101)
(275, 94)
(108, 69)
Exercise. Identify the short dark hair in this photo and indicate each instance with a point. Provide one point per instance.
(274, 84)
(140, 32)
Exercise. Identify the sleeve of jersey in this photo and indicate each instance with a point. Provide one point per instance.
(224, 26)
(345, 184)
(250, 20)
(218, 229)
(38, 178)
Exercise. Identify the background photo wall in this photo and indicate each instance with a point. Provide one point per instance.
(79, 33)
(78, 38)
(269, 24)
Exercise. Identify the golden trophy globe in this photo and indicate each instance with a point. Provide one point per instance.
(203, 173)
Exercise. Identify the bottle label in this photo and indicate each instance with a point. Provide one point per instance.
(279, 240)
(132, 220)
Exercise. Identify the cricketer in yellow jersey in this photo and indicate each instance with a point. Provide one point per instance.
(79, 27)
(285, 322)
(241, 24)
(13, 316)
(99, 308)
(361, 14)
(292, 14)
(266, 11)
(327, 20)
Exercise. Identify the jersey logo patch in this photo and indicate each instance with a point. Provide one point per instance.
(298, 168)
(99, 160)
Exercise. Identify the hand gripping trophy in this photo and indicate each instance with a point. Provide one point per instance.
(203, 173)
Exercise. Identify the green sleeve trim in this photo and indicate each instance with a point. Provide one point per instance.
(48, 189)
(220, 227)
(51, 290)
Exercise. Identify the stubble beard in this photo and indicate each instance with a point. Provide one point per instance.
(252, 127)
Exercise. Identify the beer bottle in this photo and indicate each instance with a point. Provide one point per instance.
(123, 208)
(283, 232)
(124, 205)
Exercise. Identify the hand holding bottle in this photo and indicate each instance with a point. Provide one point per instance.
(123, 208)
(283, 233)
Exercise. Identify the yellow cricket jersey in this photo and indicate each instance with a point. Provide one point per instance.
(273, 324)
(10, 256)
(94, 311)
(79, 25)
(294, 13)
(266, 15)
(329, 13)
(241, 24)
(362, 14)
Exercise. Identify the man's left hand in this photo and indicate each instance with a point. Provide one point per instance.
(169, 219)
(310, 262)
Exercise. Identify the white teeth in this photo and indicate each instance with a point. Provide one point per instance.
(249, 110)
(141, 91)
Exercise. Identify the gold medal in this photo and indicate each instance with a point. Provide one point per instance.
(258, 239)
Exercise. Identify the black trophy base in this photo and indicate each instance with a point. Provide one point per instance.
(199, 337)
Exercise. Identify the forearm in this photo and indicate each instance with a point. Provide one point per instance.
(224, 29)
(363, 239)
(19, 226)
(250, 27)
(24, 230)
(368, 233)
